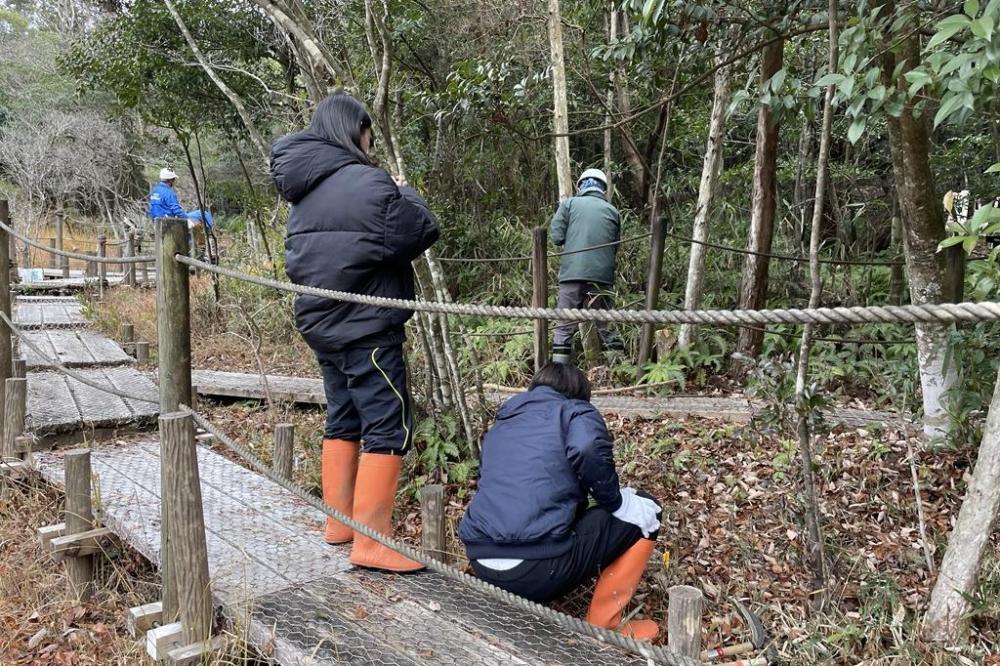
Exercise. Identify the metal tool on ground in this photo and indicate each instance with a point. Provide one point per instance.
(758, 641)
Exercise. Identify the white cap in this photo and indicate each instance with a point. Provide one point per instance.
(167, 174)
(596, 174)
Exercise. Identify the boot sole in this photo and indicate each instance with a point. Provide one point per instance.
(378, 567)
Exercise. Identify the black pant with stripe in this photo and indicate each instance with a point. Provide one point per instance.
(367, 398)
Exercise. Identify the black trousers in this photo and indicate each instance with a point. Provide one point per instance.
(367, 398)
(598, 540)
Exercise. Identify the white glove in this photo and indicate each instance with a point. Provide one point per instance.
(638, 511)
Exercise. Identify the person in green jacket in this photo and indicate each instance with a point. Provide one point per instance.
(585, 278)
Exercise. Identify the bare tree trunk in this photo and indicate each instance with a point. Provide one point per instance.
(233, 98)
(710, 171)
(812, 514)
(610, 102)
(560, 114)
(956, 582)
(753, 293)
(897, 281)
(923, 225)
(381, 50)
(259, 222)
(303, 34)
(433, 395)
(438, 356)
(440, 289)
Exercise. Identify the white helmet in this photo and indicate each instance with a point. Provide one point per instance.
(596, 174)
(167, 174)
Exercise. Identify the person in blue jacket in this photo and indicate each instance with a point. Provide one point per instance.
(163, 199)
(353, 227)
(529, 530)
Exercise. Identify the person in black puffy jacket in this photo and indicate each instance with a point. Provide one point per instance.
(354, 228)
(528, 529)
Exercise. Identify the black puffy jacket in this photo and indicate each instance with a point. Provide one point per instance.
(542, 458)
(350, 229)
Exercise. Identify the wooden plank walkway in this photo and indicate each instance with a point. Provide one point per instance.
(73, 348)
(282, 388)
(66, 284)
(60, 404)
(305, 390)
(299, 600)
(32, 312)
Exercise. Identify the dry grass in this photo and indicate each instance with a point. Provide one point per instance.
(239, 334)
(39, 622)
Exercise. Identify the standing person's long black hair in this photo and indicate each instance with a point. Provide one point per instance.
(340, 119)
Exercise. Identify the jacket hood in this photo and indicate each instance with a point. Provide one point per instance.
(527, 400)
(300, 162)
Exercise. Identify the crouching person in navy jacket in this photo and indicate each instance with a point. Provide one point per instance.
(528, 529)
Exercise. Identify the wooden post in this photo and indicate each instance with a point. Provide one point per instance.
(143, 267)
(91, 269)
(187, 588)
(129, 252)
(652, 288)
(173, 325)
(102, 268)
(14, 408)
(18, 368)
(128, 339)
(142, 353)
(60, 230)
(284, 446)
(173, 315)
(540, 292)
(78, 516)
(53, 257)
(684, 620)
(12, 255)
(432, 537)
(5, 343)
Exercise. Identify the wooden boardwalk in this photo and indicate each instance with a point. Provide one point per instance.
(31, 312)
(59, 404)
(282, 388)
(73, 348)
(298, 600)
(305, 390)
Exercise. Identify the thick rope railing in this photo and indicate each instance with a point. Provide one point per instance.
(527, 257)
(143, 259)
(929, 313)
(647, 650)
(59, 366)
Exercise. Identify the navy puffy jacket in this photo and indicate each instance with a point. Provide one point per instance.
(350, 229)
(540, 461)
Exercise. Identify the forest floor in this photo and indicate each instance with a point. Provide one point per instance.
(39, 622)
(732, 526)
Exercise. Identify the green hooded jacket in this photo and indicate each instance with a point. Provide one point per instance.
(582, 221)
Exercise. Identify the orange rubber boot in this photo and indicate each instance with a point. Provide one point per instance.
(614, 590)
(374, 496)
(339, 467)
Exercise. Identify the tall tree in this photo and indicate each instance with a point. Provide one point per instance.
(923, 222)
(710, 171)
(812, 513)
(753, 290)
(560, 114)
